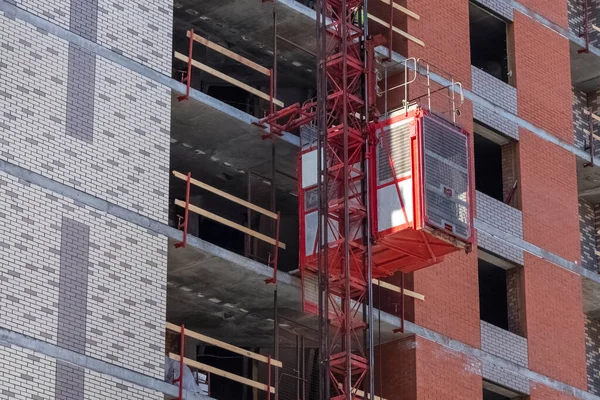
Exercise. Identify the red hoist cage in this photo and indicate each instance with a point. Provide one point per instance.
(376, 197)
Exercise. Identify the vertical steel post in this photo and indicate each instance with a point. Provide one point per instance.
(586, 31)
(181, 364)
(187, 211)
(269, 377)
(188, 77)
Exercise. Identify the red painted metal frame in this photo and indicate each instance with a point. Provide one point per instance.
(344, 146)
(586, 29)
(269, 377)
(184, 224)
(273, 280)
(181, 364)
(187, 79)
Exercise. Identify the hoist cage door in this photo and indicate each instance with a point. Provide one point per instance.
(422, 176)
(446, 177)
(421, 184)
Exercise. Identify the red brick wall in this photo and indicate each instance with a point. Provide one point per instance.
(553, 297)
(554, 10)
(543, 77)
(450, 288)
(451, 305)
(555, 323)
(443, 374)
(396, 372)
(549, 196)
(541, 392)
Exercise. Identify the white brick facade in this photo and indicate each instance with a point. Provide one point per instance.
(504, 217)
(499, 93)
(126, 295)
(508, 346)
(70, 275)
(131, 123)
(138, 29)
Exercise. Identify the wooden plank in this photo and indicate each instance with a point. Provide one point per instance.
(361, 393)
(226, 222)
(231, 54)
(224, 374)
(223, 345)
(226, 195)
(587, 132)
(228, 79)
(402, 9)
(397, 289)
(398, 31)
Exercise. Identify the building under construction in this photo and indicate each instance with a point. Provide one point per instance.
(298, 200)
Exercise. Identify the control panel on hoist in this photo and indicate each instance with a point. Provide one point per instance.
(420, 193)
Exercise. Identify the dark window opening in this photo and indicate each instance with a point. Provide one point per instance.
(233, 96)
(488, 167)
(496, 165)
(489, 48)
(492, 391)
(493, 305)
(501, 293)
(489, 395)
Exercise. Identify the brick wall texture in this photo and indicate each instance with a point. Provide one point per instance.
(499, 93)
(509, 346)
(70, 275)
(500, 7)
(549, 199)
(576, 19)
(128, 115)
(592, 349)
(587, 228)
(504, 217)
(120, 318)
(451, 287)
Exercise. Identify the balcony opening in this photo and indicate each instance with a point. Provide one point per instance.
(491, 391)
(489, 43)
(501, 296)
(496, 165)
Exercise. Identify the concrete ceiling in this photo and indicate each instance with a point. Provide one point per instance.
(246, 27)
(226, 297)
(591, 297)
(585, 69)
(588, 182)
(220, 149)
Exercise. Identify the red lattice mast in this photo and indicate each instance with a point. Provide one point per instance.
(344, 263)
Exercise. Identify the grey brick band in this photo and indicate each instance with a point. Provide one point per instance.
(81, 76)
(81, 85)
(72, 304)
(84, 18)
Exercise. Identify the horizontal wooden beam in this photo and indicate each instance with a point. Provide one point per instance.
(361, 393)
(398, 31)
(224, 374)
(231, 54)
(403, 9)
(226, 195)
(223, 345)
(397, 289)
(587, 112)
(587, 132)
(228, 79)
(231, 224)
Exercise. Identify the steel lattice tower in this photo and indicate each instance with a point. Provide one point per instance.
(344, 263)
